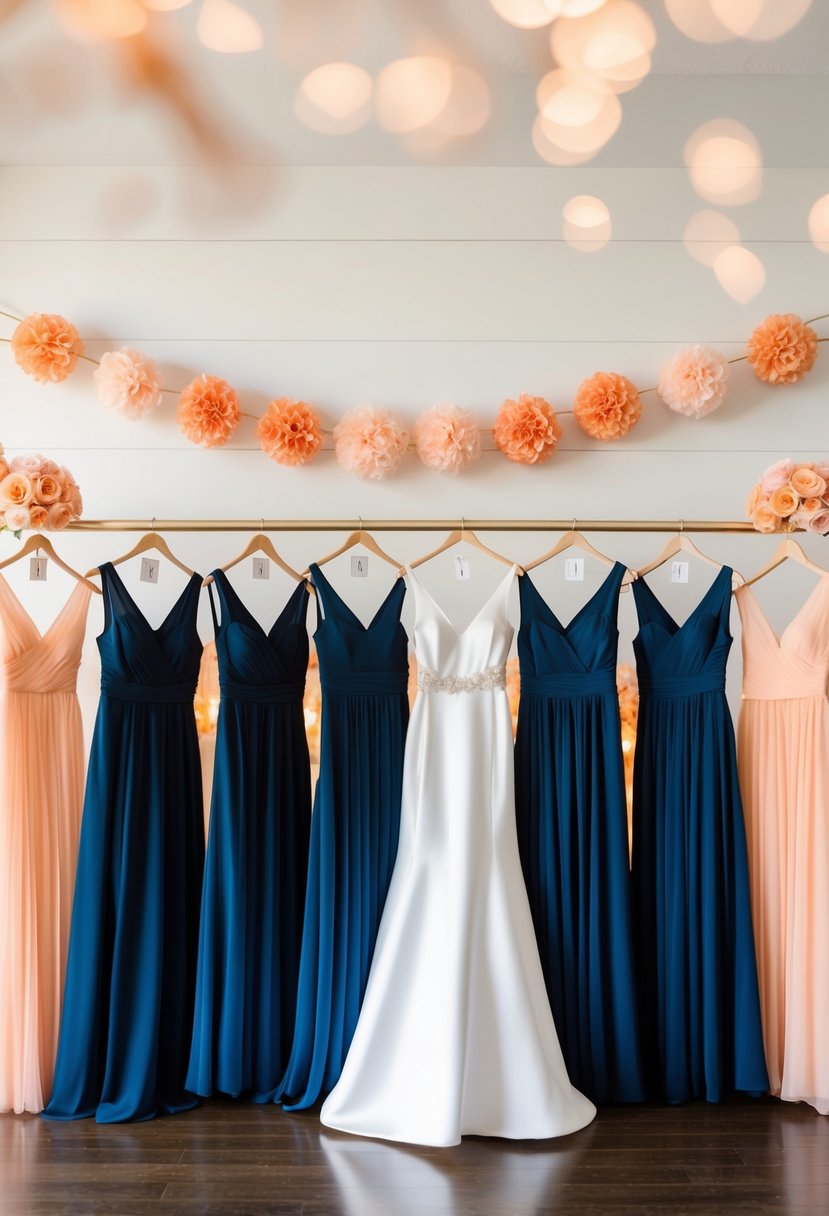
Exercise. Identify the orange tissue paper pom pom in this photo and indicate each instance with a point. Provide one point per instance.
(607, 405)
(527, 430)
(289, 432)
(782, 349)
(46, 346)
(208, 411)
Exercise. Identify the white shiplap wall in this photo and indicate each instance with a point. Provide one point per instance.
(377, 279)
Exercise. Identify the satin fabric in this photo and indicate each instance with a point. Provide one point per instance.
(456, 1036)
(783, 751)
(257, 852)
(572, 834)
(700, 1021)
(354, 829)
(41, 794)
(130, 980)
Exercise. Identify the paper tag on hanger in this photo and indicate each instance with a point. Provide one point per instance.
(149, 569)
(261, 567)
(359, 566)
(574, 569)
(679, 572)
(37, 569)
(463, 567)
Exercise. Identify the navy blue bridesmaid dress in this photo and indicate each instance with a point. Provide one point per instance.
(354, 830)
(257, 853)
(697, 972)
(573, 838)
(130, 979)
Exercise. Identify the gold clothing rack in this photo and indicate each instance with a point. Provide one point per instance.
(411, 525)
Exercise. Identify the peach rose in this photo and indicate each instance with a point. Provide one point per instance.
(16, 518)
(4, 470)
(16, 490)
(74, 500)
(37, 516)
(754, 499)
(764, 519)
(60, 514)
(784, 502)
(822, 470)
(48, 489)
(807, 483)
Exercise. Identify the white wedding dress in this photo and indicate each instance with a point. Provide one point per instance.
(455, 1035)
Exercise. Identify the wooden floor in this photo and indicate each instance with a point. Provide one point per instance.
(237, 1160)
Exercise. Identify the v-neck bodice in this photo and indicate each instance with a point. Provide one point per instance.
(254, 663)
(559, 659)
(356, 658)
(139, 663)
(682, 660)
(793, 664)
(31, 661)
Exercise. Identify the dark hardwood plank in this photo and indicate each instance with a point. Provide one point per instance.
(226, 1159)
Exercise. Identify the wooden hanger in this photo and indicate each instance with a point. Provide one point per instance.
(357, 538)
(682, 543)
(455, 538)
(260, 543)
(41, 544)
(788, 549)
(150, 540)
(576, 540)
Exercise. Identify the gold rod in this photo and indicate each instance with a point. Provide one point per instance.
(411, 525)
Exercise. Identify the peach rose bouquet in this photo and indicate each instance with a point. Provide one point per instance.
(791, 493)
(36, 493)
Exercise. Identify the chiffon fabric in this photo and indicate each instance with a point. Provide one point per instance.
(700, 1023)
(456, 1036)
(257, 853)
(41, 793)
(354, 829)
(128, 1005)
(573, 837)
(783, 749)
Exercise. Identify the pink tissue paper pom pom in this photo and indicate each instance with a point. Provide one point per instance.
(693, 382)
(447, 438)
(370, 442)
(128, 382)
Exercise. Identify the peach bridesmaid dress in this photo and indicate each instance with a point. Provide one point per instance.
(783, 754)
(41, 795)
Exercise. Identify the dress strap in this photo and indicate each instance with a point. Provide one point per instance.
(211, 597)
(301, 596)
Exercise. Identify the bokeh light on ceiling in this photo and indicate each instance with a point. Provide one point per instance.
(819, 223)
(335, 99)
(614, 42)
(587, 225)
(707, 233)
(724, 20)
(411, 93)
(724, 162)
(228, 28)
(740, 273)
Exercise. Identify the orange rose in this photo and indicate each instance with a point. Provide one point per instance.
(47, 489)
(4, 470)
(16, 490)
(810, 505)
(754, 499)
(60, 514)
(38, 516)
(764, 519)
(807, 483)
(784, 502)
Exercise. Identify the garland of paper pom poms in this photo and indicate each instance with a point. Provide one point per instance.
(371, 442)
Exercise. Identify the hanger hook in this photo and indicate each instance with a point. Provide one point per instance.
(261, 523)
(359, 525)
(152, 526)
(681, 526)
(573, 524)
(463, 526)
